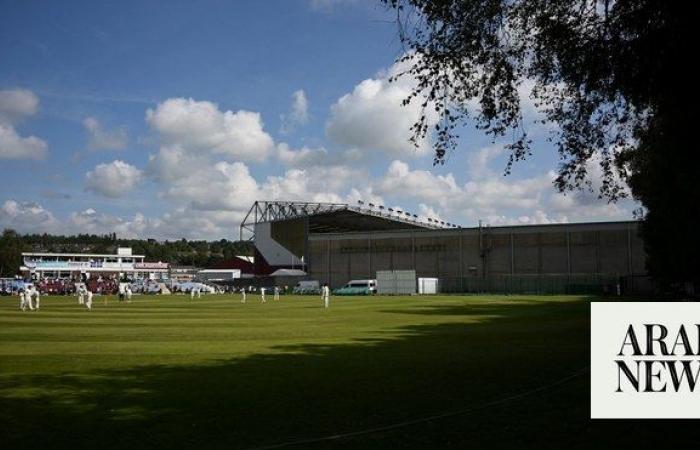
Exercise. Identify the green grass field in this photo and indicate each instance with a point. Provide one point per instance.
(168, 372)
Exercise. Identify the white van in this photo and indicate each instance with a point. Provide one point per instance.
(307, 287)
(355, 287)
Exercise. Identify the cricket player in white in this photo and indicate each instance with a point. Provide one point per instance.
(196, 290)
(128, 292)
(85, 297)
(81, 294)
(34, 298)
(88, 298)
(277, 293)
(262, 295)
(23, 300)
(243, 295)
(326, 295)
(28, 298)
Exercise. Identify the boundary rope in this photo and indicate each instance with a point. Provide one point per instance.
(428, 418)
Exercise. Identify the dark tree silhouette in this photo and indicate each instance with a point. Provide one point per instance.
(614, 76)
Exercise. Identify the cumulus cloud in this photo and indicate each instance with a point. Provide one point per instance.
(15, 106)
(201, 127)
(223, 186)
(14, 146)
(372, 118)
(479, 161)
(317, 184)
(428, 212)
(231, 187)
(173, 162)
(101, 139)
(27, 217)
(112, 179)
(497, 200)
(303, 157)
(179, 223)
(298, 114)
(309, 157)
(366, 194)
(30, 217)
(202, 164)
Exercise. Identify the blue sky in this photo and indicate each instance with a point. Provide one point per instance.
(167, 119)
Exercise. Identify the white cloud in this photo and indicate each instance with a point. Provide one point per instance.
(14, 146)
(480, 160)
(372, 118)
(101, 139)
(496, 200)
(224, 186)
(173, 162)
(201, 165)
(113, 179)
(428, 212)
(303, 157)
(27, 217)
(15, 106)
(230, 186)
(298, 114)
(177, 224)
(315, 184)
(400, 181)
(307, 157)
(366, 194)
(200, 127)
(203, 173)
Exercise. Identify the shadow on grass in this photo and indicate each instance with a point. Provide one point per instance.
(314, 390)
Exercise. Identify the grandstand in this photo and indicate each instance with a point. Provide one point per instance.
(335, 242)
(77, 265)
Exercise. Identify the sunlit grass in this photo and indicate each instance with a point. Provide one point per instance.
(170, 372)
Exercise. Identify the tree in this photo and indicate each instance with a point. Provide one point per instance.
(612, 75)
(10, 253)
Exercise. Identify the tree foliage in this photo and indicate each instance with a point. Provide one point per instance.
(612, 75)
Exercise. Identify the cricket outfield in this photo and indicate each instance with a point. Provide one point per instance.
(369, 372)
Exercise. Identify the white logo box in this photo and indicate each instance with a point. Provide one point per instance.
(610, 322)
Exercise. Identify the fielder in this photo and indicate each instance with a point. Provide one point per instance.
(262, 295)
(27, 300)
(277, 293)
(128, 292)
(243, 295)
(81, 295)
(198, 292)
(23, 297)
(326, 295)
(85, 297)
(34, 297)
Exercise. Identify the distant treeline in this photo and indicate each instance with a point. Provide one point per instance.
(182, 252)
